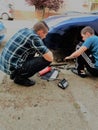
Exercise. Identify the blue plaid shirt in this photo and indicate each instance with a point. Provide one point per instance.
(18, 48)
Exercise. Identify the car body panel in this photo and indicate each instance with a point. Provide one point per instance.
(56, 19)
(2, 31)
(80, 21)
(65, 35)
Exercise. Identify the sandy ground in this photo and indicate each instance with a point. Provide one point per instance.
(45, 106)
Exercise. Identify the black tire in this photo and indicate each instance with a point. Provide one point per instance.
(5, 16)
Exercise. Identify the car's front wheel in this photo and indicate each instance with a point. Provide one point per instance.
(5, 16)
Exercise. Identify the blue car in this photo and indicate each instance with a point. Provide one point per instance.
(2, 32)
(64, 34)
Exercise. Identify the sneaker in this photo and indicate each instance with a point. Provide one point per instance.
(24, 82)
(81, 73)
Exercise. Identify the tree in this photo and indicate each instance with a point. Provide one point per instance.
(43, 4)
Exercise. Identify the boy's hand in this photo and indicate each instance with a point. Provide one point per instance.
(66, 58)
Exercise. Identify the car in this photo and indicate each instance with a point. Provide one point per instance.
(64, 34)
(6, 11)
(2, 32)
(60, 17)
(73, 13)
(94, 12)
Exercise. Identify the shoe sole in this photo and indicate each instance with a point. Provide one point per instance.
(76, 72)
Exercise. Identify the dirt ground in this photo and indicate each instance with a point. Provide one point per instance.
(45, 106)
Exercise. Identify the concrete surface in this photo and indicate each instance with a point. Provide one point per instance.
(45, 106)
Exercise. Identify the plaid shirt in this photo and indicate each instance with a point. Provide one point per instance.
(18, 48)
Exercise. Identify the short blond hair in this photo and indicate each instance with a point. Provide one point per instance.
(41, 25)
(87, 29)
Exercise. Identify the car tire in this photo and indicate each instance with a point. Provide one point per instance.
(5, 16)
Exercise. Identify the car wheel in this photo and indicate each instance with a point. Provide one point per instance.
(5, 16)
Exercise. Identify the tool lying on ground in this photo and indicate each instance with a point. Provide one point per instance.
(51, 74)
(45, 70)
(63, 84)
(61, 66)
(58, 64)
